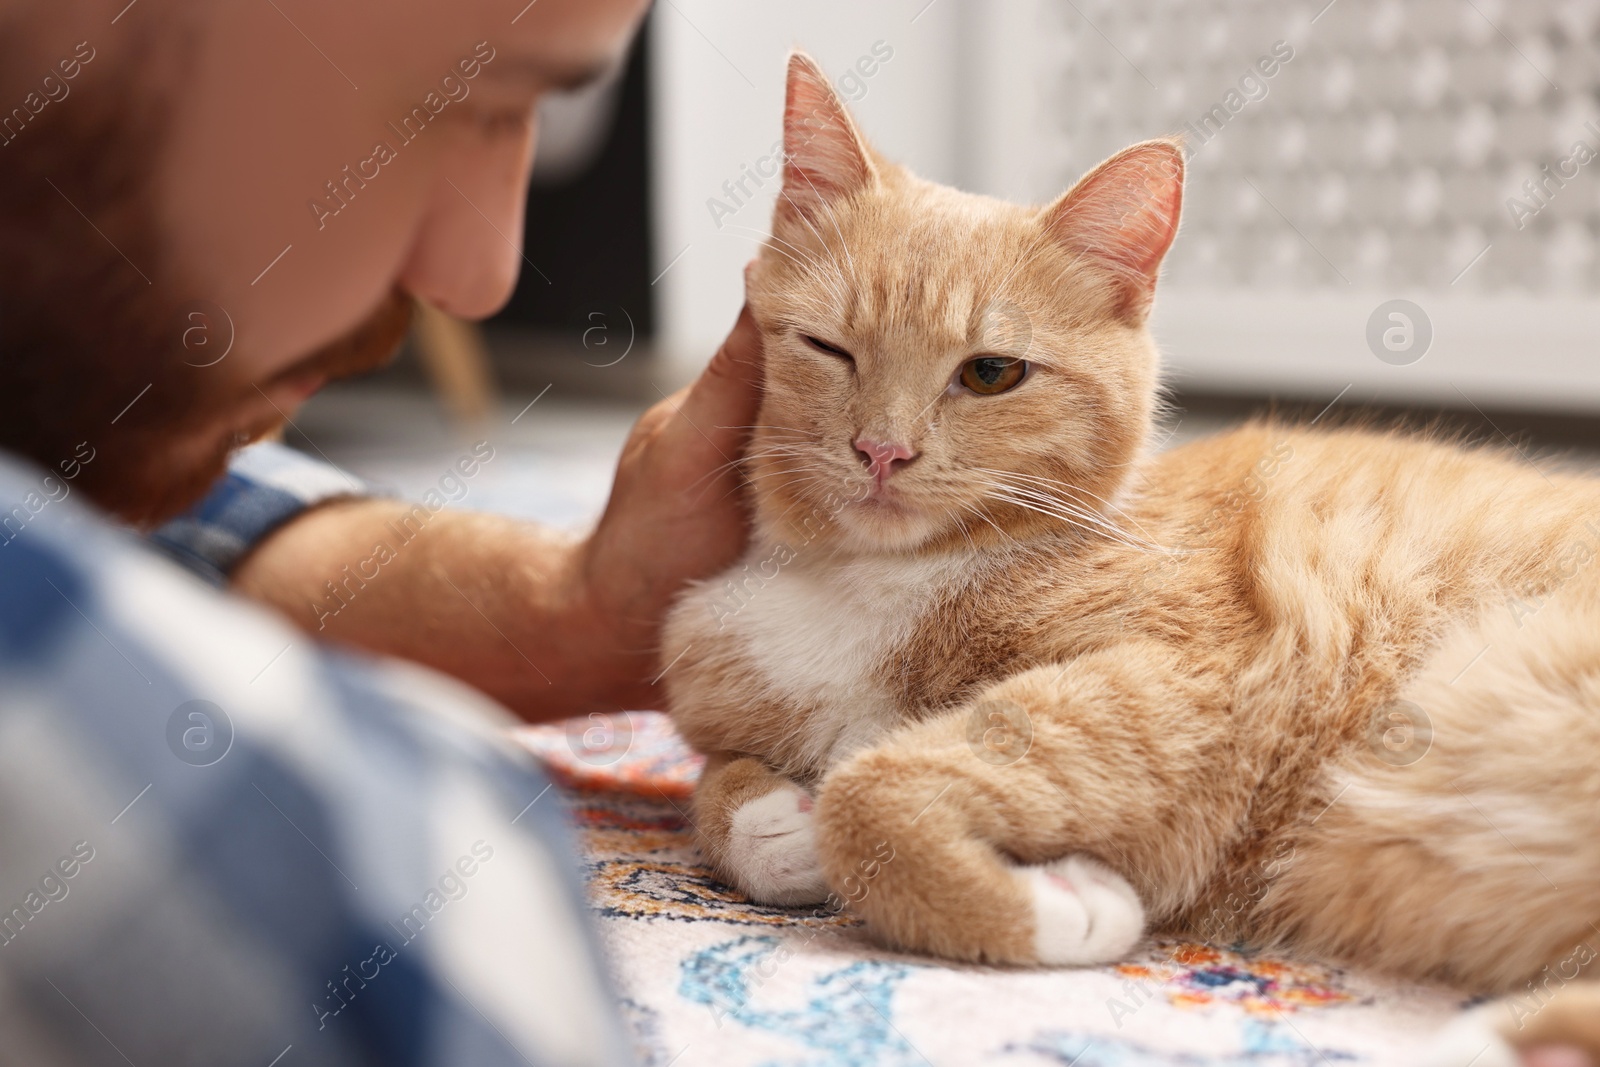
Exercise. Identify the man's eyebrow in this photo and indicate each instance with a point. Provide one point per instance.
(556, 76)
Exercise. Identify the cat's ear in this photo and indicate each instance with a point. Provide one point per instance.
(1124, 215)
(825, 156)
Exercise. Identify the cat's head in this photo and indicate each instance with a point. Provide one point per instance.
(943, 367)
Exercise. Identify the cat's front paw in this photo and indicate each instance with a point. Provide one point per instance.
(1083, 912)
(771, 853)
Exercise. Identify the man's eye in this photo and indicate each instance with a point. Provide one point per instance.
(823, 346)
(988, 375)
(503, 123)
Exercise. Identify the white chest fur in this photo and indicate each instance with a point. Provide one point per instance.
(824, 634)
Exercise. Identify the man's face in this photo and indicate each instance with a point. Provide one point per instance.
(271, 181)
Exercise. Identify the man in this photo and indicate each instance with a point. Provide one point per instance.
(222, 840)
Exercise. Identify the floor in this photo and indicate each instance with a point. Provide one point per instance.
(552, 455)
(706, 978)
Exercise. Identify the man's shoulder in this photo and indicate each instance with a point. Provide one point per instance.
(71, 566)
(270, 811)
(31, 497)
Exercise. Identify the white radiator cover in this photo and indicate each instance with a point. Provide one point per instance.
(1376, 166)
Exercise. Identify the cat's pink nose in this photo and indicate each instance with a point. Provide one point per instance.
(883, 458)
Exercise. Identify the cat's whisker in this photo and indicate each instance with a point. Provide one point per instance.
(1078, 512)
(764, 474)
(820, 239)
(776, 457)
(1044, 504)
(1068, 486)
(1069, 520)
(779, 449)
(772, 451)
(778, 453)
(763, 237)
(790, 245)
(764, 242)
(1049, 485)
(712, 474)
(979, 512)
(834, 218)
(808, 434)
(785, 448)
(822, 266)
(960, 524)
(826, 202)
(1068, 511)
(1087, 525)
(799, 502)
(751, 479)
(813, 269)
(1076, 491)
(801, 479)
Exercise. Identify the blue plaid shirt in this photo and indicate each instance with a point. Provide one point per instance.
(223, 844)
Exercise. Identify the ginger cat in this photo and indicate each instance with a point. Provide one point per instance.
(1024, 689)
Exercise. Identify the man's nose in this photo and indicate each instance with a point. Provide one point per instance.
(883, 458)
(465, 255)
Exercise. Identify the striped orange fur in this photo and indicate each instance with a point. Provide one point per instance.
(1327, 689)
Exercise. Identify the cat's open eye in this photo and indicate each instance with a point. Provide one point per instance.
(823, 346)
(988, 375)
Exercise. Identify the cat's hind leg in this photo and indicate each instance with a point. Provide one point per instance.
(757, 829)
(1458, 842)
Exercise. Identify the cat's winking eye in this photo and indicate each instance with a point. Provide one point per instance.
(988, 375)
(823, 346)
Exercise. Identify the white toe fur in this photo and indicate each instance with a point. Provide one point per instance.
(1469, 1038)
(772, 849)
(1083, 912)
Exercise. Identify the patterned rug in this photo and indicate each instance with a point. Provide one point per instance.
(709, 978)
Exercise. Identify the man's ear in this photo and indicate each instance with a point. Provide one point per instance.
(825, 157)
(1123, 216)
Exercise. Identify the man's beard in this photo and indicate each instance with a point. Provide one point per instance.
(99, 353)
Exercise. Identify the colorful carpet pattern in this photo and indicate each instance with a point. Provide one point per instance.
(709, 978)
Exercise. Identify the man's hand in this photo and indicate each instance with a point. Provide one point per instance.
(549, 625)
(677, 509)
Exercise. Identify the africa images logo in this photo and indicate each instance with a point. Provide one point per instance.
(199, 733)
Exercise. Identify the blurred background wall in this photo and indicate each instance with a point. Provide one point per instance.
(718, 99)
(1345, 156)
(1392, 205)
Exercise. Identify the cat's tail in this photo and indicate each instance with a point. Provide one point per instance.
(1459, 842)
(1560, 1030)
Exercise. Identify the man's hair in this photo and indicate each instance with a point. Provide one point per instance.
(92, 303)
(84, 322)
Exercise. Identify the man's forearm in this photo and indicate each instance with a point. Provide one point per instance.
(498, 603)
(548, 624)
